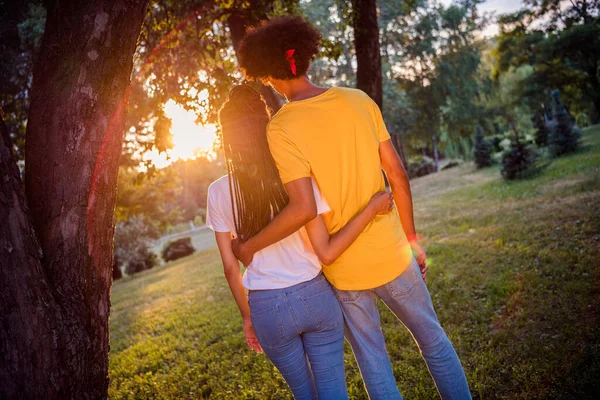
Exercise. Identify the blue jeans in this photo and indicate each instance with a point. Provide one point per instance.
(408, 298)
(301, 330)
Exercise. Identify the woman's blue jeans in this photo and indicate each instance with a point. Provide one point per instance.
(301, 330)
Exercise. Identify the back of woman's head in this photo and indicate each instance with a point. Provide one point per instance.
(256, 189)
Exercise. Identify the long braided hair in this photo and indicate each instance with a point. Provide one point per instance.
(257, 193)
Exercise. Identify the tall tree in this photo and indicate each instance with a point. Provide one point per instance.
(561, 40)
(366, 44)
(56, 249)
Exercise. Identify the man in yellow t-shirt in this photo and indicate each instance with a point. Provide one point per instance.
(337, 136)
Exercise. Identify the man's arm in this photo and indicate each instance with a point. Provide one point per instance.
(398, 179)
(301, 209)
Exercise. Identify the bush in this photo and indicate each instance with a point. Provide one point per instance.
(178, 249)
(583, 120)
(564, 138)
(133, 238)
(144, 259)
(116, 272)
(483, 157)
(420, 166)
(541, 129)
(519, 162)
(451, 164)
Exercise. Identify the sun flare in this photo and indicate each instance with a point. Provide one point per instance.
(189, 139)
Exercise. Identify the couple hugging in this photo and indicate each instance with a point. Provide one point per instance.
(304, 207)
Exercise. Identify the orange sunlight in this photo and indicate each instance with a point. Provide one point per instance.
(189, 139)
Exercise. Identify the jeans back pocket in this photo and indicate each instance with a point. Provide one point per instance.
(268, 326)
(324, 308)
(405, 283)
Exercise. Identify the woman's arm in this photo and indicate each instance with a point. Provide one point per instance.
(330, 247)
(231, 268)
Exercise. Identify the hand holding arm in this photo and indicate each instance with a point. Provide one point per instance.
(330, 247)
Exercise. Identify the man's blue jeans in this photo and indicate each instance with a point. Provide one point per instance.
(301, 330)
(408, 298)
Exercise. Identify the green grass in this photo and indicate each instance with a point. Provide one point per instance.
(514, 276)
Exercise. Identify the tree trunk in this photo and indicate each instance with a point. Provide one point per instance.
(366, 43)
(397, 142)
(238, 22)
(28, 317)
(55, 302)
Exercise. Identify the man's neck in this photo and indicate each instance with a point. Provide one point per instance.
(302, 89)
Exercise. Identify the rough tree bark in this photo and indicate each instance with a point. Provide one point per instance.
(238, 22)
(56, 257)
(366, 43)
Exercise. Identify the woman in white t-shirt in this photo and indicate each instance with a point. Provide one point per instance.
(290, 311)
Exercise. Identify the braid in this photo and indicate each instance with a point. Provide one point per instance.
(257, 193)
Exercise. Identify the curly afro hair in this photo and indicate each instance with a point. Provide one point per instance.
(262, 52)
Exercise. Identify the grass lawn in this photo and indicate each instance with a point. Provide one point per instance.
(515, 278)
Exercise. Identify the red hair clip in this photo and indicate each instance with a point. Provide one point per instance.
(289, 56)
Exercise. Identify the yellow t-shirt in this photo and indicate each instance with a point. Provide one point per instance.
(335, 137)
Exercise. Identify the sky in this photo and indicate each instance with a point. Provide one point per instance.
(498, 7)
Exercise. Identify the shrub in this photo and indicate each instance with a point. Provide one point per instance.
(133, 238)
(451, 164)
(144, 259)
(519, 161)
(116, 272)
(483, 157)
(541, 129)
(564, 138)
(420, 166)
(178, 249)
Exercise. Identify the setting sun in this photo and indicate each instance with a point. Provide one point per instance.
(189, 139)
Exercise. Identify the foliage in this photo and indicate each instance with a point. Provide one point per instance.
(143, 260)
(520, 161)
(133, 239)
(117, 273)
(497, 252)
(155, 198)
(564, 138)
(541, 128)
(195, 176)
(420, 166)
(562, 44)
(483, 156)
(21, 30)
(178, 249)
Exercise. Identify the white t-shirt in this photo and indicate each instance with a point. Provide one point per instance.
(283, 264)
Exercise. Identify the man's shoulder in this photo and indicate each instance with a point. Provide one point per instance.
(351, 92)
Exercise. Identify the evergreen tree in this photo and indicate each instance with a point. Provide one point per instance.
(483, 156)
(520, 161)
(564, 138)
(541, 129)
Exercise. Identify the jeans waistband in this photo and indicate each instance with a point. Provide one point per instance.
(258, 295)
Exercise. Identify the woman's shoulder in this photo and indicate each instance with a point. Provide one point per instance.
(219, 187)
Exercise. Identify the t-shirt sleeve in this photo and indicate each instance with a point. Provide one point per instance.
(322, 205)
(290, 161)
(215, 219)
(382, 132)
